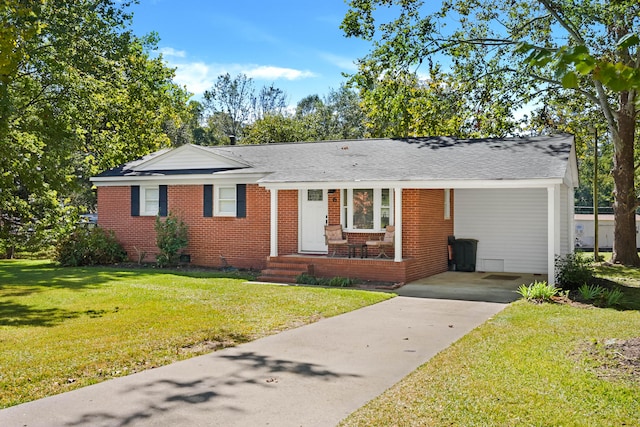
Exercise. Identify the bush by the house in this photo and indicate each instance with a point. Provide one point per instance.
(306, 279)
(341, 282)
(171, 237)
(538, 291)
(600, 296)
(573, 271)
(93, 246)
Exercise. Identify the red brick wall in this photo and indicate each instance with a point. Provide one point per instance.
(287, 222)
(425, 232)
(241, 242)
(136, 234)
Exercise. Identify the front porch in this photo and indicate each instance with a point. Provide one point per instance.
(286, 268)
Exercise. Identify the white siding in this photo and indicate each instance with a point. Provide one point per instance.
(187, 157)
(510, 225)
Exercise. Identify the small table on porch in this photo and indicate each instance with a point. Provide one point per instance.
(353, 250)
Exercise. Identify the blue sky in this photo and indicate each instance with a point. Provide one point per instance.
(296, 45)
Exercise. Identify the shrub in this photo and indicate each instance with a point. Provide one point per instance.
(573, 271)
(341, 282)
(93, 246)
(538, 291)
(171, 237)
(612, 297)
(306, 279)
(590, 292)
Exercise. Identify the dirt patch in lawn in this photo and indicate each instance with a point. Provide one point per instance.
(615, 359)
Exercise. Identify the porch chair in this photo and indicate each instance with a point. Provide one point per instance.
(333, 237)
(386, 241)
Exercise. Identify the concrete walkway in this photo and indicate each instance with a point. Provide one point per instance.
(314, 375)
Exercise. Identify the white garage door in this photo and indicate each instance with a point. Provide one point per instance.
(509, 224)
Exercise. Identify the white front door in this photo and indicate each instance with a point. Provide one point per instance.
(313, 218)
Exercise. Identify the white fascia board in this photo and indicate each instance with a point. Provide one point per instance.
(119, 181)
(572, 176)
(453, 184)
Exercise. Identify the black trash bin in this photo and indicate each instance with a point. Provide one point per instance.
(464, 253)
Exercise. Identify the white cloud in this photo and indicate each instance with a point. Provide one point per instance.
(198, 76)
(268, 72)
(169, 51)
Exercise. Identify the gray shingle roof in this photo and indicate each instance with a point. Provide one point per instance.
(412, 159)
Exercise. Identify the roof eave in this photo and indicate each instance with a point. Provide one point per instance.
(420, 184)
(194, 179)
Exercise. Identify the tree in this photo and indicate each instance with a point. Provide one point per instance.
(346, 113)
(78, 94)
(401, 104)
(338, 116)
(270, 101)
(277, 128)
(231, 100)
(232, 105)
(568, 114)
(519, 50)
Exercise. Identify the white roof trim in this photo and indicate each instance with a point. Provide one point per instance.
(434, 184)
(196, 179)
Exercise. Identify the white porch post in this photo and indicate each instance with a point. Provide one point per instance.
(274, 223)
(553, 230)
(398, 223)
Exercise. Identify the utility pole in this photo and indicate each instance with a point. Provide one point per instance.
(595, 195)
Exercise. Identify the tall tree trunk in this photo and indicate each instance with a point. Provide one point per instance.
(625, 204)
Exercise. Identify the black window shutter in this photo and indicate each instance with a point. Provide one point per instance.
(208, 200)
(162, 209)
(135, 200)
(241, 201)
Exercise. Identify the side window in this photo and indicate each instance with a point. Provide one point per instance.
(150, 199)
(224, 200)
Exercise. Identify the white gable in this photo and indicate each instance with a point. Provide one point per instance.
(188, 157)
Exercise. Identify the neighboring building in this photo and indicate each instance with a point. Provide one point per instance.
(585, 231)
(265, 206)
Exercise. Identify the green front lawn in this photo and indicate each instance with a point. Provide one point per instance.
(530, 365)
(64, 328)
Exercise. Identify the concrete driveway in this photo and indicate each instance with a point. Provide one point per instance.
(314, 375)
(470, 286)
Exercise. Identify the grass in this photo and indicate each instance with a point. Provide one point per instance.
(64, 328)
(523, 367)
(530, 365)
(625, 278)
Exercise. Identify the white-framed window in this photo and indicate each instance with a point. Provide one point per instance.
(224, 200)
(149, 200)
(368, 209)
(447, 203)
